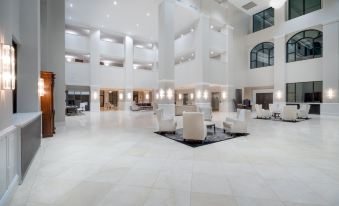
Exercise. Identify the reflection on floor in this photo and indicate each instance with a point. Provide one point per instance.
(114, 158)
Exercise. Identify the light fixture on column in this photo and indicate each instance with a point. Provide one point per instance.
(7, 67)
(41, 87)
(223, 95)
(121, 96)
(276, 4)
(95, 95)
(279, 95)
(129, 96)
(169, 93)
(161, 93)
(330, 93)
(205, 94)
(147, 96)
(180, 96)
(157, 96)
(192, 96)
(198, 94)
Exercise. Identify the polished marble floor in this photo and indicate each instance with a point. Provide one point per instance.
(114, 158)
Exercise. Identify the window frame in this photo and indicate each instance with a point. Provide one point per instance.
(320, 34)
(270, 50)
(303, 9)
(264, 19)
(295, 92)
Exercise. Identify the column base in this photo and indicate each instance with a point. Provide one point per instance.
(169, 110)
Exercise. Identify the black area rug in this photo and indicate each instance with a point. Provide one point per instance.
(210, 139)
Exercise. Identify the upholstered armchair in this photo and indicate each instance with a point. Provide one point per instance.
(303, 111)
(262, 113)
(237, 125)
(134, 107)
(165, 125)
(193, 126)
(289, 113)
(207, 112)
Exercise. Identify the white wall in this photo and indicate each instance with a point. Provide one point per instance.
(304, 71)
(77, 74)
(145, 79)
(144, 55)
(109, 77)
(184, 44)
(260, 77)
(187, 74)
(77, 43)
(111, 49)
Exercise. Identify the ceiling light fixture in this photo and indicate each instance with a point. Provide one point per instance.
(212, 27)
(192, 30)
(71, 5)
(276, 4)
(115, 3)
(148, 14)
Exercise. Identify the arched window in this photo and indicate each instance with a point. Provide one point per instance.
(262, 55)
(307, 44)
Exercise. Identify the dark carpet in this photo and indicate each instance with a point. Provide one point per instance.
(210, 139)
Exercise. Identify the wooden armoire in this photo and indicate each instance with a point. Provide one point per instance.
(47, 104)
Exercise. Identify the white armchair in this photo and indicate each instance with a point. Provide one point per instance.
(82, 107)
(193, 126)
(134, 107)
(303, 111)
(207, 112)
(165, 125)
(237, 125)
(262, 113)
(289, 113)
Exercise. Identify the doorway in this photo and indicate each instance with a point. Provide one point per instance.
(264, 99)
(215, 101)
(15, 93)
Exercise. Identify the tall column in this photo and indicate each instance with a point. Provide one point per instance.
(228, 91)
(95, 62)
(279, 95)
(129, 56)
(166, 57)
(331, 68)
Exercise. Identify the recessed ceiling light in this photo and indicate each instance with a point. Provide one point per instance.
(115, 3)
(148, 14)
(212, 27)
(192, 30)
(71, 5)
(212, 52)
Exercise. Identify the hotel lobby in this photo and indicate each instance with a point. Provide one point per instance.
(169, 103)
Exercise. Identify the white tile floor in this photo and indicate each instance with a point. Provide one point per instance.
(114, 158)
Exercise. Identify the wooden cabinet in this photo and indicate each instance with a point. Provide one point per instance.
(47, 105)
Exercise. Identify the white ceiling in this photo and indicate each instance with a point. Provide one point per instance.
(125, 16)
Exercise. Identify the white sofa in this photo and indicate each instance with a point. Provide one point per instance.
(262, 113)
(289, 113)
(193, 126)
(207, 112)
(237, 125)
(165, 125)
(303, 112)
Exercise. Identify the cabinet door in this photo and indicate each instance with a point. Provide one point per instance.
(3, 163)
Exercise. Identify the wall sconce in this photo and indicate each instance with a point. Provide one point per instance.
(129, 96)
(279, 95)
(147, 96)
(121, 96)
(41, 87)
(95, 95)
(224, 95)
(205, 95)
(330, 94)
(157, 96)
(7, 67)
(169, 93)
(192, 96)
(198, 94)
(180, 96)
(161, 93)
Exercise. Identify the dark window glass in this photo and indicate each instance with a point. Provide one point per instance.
(304, 45)
(263, 20)
(298, 8)
(302, 92)
(262, 55)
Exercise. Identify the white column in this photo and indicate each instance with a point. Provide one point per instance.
(279, 94)
(95, 63)
(129, 57)
(166, 57)
(330, 68)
